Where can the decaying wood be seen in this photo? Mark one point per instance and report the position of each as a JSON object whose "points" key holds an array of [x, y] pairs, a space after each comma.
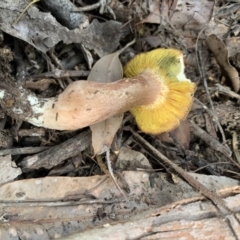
{"points": [[24, 150], [198, 220], [59, 153], [42, 208]]}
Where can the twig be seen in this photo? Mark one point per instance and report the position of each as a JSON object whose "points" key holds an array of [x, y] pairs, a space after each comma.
{"points": [[208, 165], [25, 9], [88, 7], [203, 75], [24, 150], [210, 140], [57, 73], [102, 165], [225, 91], [214, 118], [102, 4], [213, 143], [109, 164], [108, 171]]}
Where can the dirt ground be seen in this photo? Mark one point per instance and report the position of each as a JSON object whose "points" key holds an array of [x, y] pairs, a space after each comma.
{"points": [[113, 181]]}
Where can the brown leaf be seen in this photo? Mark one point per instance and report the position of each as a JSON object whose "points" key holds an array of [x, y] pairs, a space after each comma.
{"points": [[43, 31], [220, 52], [181, 134], [104, 132], [107, 69]]}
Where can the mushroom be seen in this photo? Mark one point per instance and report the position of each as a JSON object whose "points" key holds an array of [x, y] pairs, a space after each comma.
{"points": [[155, 90]]}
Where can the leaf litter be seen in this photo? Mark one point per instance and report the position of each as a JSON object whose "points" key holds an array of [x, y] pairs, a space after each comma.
{"points": [[196, 147]]}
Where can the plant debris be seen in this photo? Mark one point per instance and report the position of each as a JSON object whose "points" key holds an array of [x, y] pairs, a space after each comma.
{"points": [[55, 183]]}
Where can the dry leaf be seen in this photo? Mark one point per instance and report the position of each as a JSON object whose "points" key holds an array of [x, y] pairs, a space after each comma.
{"points": [[104, 132], [220, 52], [41, 29], [8, 169], [217, 28], [192, 14], [181, 134], [222, 21], [154, 16], [129, 159], [107, 69], [233, 45], [227, 10]]}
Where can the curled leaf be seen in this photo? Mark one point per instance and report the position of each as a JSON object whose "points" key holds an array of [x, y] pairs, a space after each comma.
{"points": [[220, 52]]}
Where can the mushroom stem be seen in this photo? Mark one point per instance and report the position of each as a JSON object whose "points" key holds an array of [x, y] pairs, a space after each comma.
{"points": [[82, 103]]}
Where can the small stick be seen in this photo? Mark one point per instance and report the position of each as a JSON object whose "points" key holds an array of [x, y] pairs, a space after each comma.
{"points": [[203, 75], [57, 73], [210, 140], [24, 150], [214, 117], [108, 171], [109, 164], [225, 91], [25, 9]]}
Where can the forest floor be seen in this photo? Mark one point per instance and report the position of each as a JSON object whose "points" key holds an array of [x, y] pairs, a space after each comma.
{"points": [[183, 183]]}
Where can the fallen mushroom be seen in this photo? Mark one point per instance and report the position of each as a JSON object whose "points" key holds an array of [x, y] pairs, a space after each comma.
{"points": [[155, 90]]}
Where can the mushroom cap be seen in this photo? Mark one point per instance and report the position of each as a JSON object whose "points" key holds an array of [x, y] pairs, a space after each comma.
{"points": [[176, 91]]}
